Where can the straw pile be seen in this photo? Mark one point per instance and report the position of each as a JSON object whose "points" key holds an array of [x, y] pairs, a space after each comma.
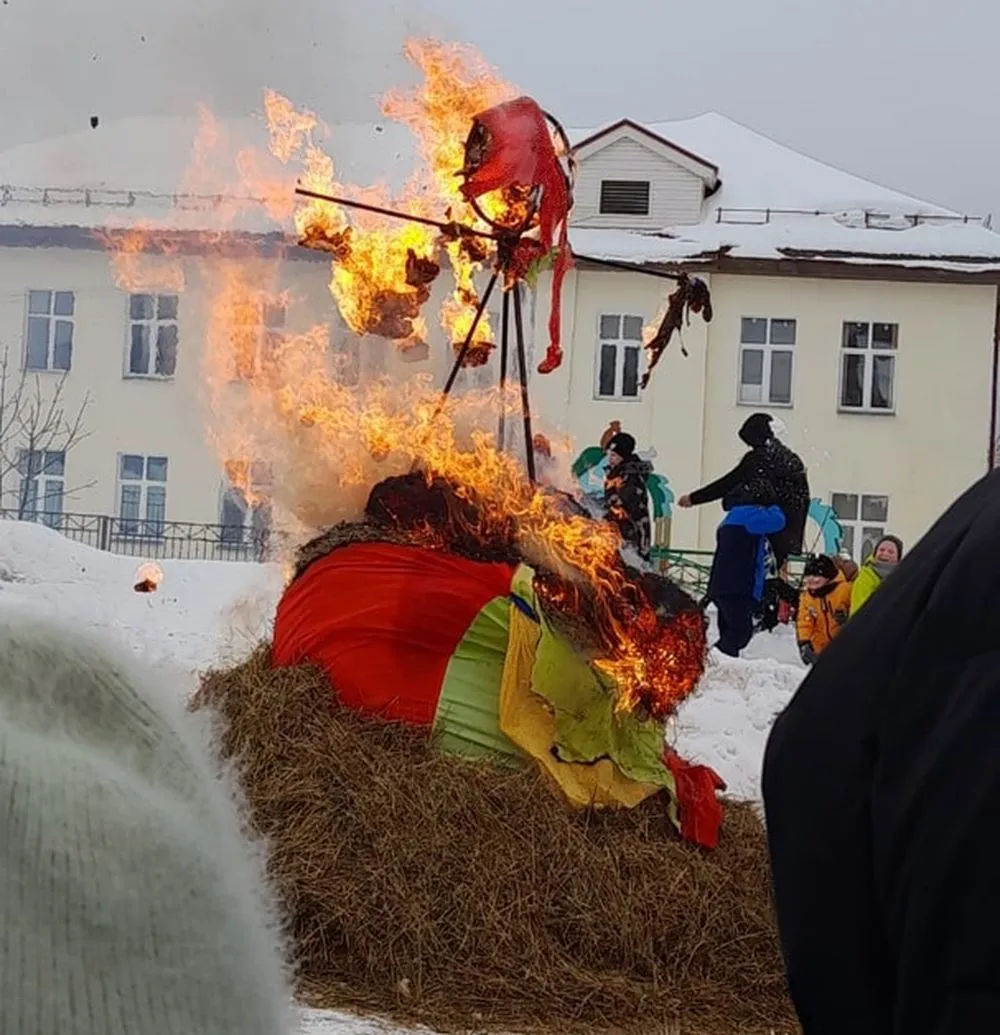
{"points": [[463, 896]]}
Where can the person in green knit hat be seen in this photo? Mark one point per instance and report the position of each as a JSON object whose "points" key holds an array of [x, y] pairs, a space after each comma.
{"points": [[130, 903], [885, 557]]}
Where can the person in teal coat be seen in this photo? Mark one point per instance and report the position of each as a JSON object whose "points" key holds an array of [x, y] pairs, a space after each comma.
{"points": [[887, 554]]}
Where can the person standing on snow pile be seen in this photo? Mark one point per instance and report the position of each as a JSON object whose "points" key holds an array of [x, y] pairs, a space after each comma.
{"points": [[736, 581], [626, 496], [824, 607], [882, 792], [769, 472], [885, 557]]}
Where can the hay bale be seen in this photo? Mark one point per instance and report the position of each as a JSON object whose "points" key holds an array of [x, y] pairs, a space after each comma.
{"points": [[461, 895]]}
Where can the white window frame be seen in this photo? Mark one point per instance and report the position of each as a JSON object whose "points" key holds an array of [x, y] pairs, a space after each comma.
{"points": [[620, 344], [54, 320], [860, 528], [145, 525], [768, 348], [868, 352], [153, 324], [49, 486], [256, 509]]}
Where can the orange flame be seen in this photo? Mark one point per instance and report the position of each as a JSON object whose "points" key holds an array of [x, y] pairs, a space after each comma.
{"points": [[283, 401]]}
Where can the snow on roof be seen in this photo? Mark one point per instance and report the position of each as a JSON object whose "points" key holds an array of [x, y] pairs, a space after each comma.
{"points": [[131, 172], [759, 173], [959, 247], [149, 169]]}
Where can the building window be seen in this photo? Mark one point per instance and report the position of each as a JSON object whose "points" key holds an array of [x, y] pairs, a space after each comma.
{"points": [[261, 334], [347, 360], [49, 344], [246, 503], [153, 335], [624, 197], [868, 367], [618, 350], [142, 495], [43, 485], [766, 353], [864, 520]]}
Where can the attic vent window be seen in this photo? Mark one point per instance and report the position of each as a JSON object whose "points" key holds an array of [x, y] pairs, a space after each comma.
{"points": [[624, 197]]}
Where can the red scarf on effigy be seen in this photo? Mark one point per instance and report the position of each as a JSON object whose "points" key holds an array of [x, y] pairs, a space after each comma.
{"points": [[520, 152]]}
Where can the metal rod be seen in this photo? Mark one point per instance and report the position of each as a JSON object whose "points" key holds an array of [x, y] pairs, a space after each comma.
{"points": [[522, 369], [504, 343], [466, 345], [395, 214], [627, 267]]}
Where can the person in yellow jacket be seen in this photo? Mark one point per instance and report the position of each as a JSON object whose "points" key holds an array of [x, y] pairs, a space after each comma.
{"points": [[824, 607], [887, 554]]}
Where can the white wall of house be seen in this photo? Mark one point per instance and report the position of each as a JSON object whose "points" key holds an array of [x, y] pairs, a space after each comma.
{"points": [[668, 417], [139, 416], [924, 452], [920, 456], [676, 193]]}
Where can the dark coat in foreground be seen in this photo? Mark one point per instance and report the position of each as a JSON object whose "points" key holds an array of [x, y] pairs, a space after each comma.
{"points": [[882, 790]]}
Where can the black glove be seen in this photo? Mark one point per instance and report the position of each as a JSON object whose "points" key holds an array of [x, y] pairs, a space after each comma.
{"points": [[807, 653]]}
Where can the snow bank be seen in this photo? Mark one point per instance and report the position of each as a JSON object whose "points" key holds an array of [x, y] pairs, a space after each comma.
{"points": [[215, 612], [202, 613]]}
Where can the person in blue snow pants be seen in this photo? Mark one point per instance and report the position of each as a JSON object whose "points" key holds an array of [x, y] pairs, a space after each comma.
{"points": [[736, 581]]}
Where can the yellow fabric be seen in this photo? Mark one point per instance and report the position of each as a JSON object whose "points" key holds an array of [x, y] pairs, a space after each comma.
{"points": [[527, 720]]}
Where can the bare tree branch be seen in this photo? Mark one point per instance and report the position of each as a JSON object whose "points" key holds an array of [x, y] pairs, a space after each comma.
{"points": [[33, 422]]}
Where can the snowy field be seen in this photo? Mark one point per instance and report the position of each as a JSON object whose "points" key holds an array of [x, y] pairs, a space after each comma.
{"points": [[206, 613]]}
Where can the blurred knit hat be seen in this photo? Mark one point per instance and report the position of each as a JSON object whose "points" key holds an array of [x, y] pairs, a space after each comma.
{"points": [[130, 903], [822, 567], [623, 444], [756, 429]]}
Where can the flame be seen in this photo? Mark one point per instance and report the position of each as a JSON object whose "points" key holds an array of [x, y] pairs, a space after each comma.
{"points": [[372, 253], [147, 578], [286, 403]]}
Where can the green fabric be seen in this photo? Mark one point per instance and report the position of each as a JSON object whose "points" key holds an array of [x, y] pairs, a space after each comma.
{"points": [[587, 460], [587, 728], [523, 585], [867, 581], [467, 722]]}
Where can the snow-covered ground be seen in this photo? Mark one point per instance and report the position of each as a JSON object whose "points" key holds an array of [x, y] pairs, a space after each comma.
{"points": [[210, 612]]}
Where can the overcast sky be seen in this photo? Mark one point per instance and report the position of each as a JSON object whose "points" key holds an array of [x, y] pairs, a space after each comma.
{"points": [[900, 91]]}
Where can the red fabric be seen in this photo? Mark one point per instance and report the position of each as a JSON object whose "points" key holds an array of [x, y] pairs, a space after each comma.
{"points": [[383, 622], [700, 810], [521, 152], [784, 612]]}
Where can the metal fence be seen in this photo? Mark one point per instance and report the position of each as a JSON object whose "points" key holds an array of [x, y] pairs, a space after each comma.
{"points": [[189, 541], [690, 568], [156, 540]]}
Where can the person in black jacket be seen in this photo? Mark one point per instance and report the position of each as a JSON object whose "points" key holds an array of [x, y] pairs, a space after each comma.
{"points": [[769, 469], [626, 494], [882, 793]]}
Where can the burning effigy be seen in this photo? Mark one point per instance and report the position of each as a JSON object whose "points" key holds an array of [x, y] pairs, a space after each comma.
{"points": [[456, 742], [427, 615]]}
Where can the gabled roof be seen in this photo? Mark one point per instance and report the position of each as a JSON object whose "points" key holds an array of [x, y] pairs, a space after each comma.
{"points": [[708, 171]]}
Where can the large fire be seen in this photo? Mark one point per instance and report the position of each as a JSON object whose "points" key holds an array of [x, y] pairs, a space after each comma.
{"points": [[279, 399]]}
